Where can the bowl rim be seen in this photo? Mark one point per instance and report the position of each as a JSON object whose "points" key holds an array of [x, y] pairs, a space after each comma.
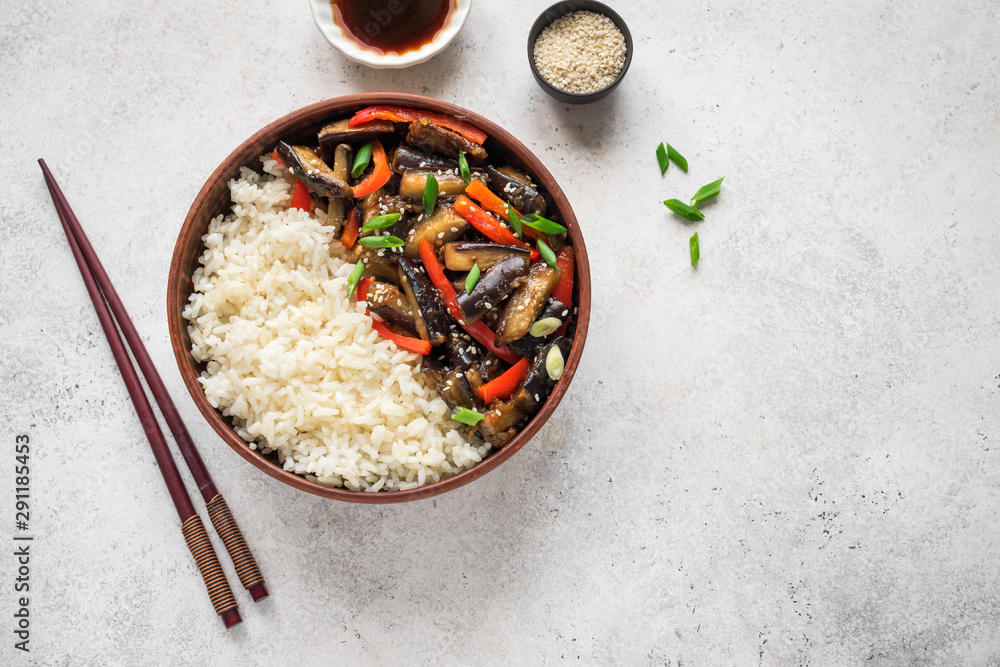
{"points": [[196, 222], [562, 9], [322, 14]]}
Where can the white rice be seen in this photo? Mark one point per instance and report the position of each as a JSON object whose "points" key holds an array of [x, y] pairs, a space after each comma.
{"points": [[296, 364]]}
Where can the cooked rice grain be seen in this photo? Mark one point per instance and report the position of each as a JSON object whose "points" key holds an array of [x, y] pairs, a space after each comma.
{"points": [[296, 364]]}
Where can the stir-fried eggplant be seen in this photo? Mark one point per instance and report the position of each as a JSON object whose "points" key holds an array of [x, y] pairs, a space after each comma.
{"points": [[507, 313], [427, 135], [462, 256], [537, 384], [493, 287], [463, 351], [340, 132], [378, 262], [406, 157], [337, 208], [415, 180], [310, 168], [520, 195], [389, 303], [455, 390], [527, 302], [443, 226], [432, 316]]}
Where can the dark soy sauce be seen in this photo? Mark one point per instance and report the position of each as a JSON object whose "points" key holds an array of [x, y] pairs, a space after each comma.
{"points": [[392, 27]]}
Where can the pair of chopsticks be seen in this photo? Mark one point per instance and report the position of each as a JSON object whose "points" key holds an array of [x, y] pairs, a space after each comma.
{"points": [[103, 294]]}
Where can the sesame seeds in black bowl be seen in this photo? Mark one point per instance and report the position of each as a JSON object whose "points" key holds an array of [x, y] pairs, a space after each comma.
{"points": [[579, 51]]}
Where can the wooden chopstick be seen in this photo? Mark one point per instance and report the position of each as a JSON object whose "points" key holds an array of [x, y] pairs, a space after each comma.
{"points": [[194, 531]]}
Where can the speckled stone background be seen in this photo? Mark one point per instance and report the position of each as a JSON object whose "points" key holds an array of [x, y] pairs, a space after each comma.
{"points": [[787, 456]]}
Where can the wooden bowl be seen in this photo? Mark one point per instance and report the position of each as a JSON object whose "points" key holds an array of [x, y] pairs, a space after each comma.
{"points": [[302, 126]]}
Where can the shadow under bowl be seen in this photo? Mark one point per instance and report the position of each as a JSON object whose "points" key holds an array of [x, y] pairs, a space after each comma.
{"points": [[301, 126]]}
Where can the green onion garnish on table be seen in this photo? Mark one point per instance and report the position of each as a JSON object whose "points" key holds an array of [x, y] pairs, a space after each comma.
{"points": [[362, 159], [472, 278], [430, 194], [382, 242], [677, 158], [687, 212], [381, 222], [467, 416], [661, 157], [695, 249], [543, 225], [707, 192]]}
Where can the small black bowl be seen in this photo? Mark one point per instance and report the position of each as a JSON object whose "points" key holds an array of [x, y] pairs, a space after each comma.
{"points": [[559, 10]]}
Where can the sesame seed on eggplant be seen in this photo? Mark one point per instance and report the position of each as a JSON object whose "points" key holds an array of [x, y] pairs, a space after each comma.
{"points": [[493, 287], [310, 168]]}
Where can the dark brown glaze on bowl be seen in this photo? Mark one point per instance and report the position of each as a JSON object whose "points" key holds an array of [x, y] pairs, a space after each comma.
{"points": [[302, 126]]}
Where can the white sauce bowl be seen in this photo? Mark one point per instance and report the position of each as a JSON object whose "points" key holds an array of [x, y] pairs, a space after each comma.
{"points": [[323, 16]]}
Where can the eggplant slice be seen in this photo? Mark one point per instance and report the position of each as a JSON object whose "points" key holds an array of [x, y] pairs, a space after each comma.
{"points": [[389, 303], [340, 132], [425, 134], [443, 226], [310, 168], [503, 278], [526, 303], [462, 255], [415, 180], [519, 194], [407, 157], [431, 315]]}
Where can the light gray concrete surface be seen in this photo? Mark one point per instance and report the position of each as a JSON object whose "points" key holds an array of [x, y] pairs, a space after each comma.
{"points": [[787, 456]]}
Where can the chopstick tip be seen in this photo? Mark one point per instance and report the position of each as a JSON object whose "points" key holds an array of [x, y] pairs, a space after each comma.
{"points": [[231, 618]]}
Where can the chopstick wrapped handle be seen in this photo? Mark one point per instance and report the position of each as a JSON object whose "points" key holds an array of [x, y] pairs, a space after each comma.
{"points": [[211, 571], [243, 560]]}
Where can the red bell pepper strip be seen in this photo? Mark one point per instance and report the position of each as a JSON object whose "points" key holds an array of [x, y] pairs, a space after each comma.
{"points": [[479, 330], [504, 386], [362, 291], [489, 201], [482, 194], [564, 288], [277, 158], [300, 196], [486, 223], [412, 344], [402, 115], [380, 174], [350, 233]]}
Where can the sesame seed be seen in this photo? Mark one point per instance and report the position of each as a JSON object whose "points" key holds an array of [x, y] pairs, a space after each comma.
{"points": [[582, 52]]}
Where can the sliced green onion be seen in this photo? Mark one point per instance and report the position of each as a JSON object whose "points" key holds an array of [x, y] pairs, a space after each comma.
{"points": [[463, 168], [707, 192], [544, 327], [677, 158], [546, 252], [543, 225], [467, 416], [695, 249], [361, 161], [472, 278], [381, 222], [430, 194], [661, 157], [683, 210], [554, 362], [514, 219], [355, 278], [382, 242]]}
